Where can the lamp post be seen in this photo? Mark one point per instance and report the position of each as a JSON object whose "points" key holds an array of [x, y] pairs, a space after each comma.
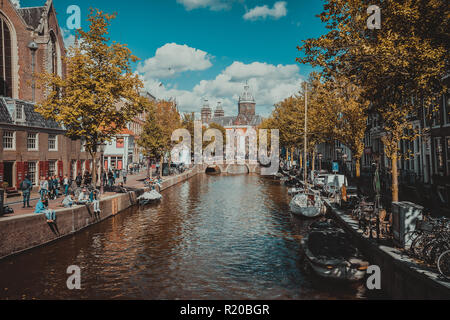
{"points": [[320, 155], [33, 48], [345, 157], [102, 154]]}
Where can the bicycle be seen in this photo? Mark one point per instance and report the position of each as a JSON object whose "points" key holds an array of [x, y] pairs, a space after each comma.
{"points": [[443, 265]]}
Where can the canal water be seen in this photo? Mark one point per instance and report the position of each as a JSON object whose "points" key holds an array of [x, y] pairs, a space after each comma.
{"points": [[212, 237]]}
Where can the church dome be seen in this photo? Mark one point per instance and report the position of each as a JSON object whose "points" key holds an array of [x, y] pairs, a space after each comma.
{"points": [[246, 96]]}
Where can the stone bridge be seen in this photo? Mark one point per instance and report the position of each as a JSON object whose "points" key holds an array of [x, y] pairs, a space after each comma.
{"points": [[246, 167]]}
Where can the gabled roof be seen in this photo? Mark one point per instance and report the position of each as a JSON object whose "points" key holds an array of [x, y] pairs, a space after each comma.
{"points": [[32, 118], [32, 15]]}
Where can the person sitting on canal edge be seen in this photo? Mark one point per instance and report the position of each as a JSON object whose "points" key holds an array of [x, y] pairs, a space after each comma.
{"points": [[68, 201], [42, 208], [83, 197], [26, 186], [95, 199]]}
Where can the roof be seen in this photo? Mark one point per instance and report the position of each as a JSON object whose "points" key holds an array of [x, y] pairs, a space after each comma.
{"points": [[32, 118], [252, 121], [32, 15]]}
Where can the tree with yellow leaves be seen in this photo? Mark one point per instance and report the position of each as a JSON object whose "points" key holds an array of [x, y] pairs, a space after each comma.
{"points": [[405, 59], [162, 120], [99, 79]]}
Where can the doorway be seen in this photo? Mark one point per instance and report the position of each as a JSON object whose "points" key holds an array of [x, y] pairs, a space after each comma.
{"points": [[8, 175]]}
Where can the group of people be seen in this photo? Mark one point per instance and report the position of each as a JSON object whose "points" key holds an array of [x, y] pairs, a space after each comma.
{"points": [[109, 177], [50, 189], [83, 180], [153, 183]]}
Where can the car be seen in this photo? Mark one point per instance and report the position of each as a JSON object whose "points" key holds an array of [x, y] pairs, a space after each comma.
{"points": [[319, 181], [333, 183]]}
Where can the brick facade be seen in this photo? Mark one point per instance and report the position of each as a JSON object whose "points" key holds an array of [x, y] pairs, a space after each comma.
{"points": [[23, 26]]}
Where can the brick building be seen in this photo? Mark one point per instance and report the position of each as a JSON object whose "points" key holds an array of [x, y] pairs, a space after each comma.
{"points": [[31, 40]]}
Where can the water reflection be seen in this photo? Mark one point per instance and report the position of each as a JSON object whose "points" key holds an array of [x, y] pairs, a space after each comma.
{"points": [[213, 237]]}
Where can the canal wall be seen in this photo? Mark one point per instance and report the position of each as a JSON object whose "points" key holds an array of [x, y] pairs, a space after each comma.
{"points": [[401, 277], [24, 232]]}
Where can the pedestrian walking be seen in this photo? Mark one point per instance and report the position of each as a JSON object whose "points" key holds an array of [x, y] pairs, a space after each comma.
{"points": [[124, 175], [79, 180], [66, 185], [56, 186], [43, 187], [26, 186]]}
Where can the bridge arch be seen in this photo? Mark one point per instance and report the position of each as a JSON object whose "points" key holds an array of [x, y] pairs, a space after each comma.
{"points": [[238, 169], [213, 170]]}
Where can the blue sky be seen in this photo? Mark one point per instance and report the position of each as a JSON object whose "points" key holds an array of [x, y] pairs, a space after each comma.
{"points": [[196, 49]]}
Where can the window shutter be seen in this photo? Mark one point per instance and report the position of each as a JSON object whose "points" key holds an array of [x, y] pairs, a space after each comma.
{"points": [[2, 170], [60, 169], [19, 173]]}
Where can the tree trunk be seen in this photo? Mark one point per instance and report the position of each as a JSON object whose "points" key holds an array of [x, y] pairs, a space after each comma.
{"points": [[394, 178], [94, 169], [314, 161], [358, 168]]}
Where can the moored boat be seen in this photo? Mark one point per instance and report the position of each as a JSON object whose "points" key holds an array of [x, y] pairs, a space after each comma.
{"points": [[331, 255], [308, 205], [149, 197]]}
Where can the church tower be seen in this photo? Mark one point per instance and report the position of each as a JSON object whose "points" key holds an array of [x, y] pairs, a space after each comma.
{"points": [[206, 112], [247, 104], [219, 113]]}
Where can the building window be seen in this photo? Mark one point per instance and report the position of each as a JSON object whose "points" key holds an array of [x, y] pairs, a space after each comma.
{"points": [[9, 141], [448, 155], [32, 172], [52, 142], [120, 143], [52, 168], [5, 60], [439, 156], [32, 142], [19, 113], [447, 106]]}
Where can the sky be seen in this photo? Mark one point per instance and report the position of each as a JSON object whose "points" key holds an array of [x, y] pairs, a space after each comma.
{"points": [[193, 50]]}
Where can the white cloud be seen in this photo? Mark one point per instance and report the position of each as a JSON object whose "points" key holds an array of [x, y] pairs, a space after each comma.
{"points": [[269, 84], [262, 12], [68, 37], [172, 59], [215, 5]]}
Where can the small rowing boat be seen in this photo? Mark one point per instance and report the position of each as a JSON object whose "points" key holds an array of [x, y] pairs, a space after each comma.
{"points": [[331, 254], [149, 197]]}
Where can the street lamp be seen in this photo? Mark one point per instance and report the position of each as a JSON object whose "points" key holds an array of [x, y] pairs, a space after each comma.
{"points": [[320, 161], [102, 147], [33, 48]]}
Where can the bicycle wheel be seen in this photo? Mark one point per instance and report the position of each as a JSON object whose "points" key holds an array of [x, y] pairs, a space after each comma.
{"points": [[443, 264], [418, 245]]}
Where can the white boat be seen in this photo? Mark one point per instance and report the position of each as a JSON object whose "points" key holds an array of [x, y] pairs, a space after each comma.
{"points": [[308, 205], [149, 197], [331, 255]]}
